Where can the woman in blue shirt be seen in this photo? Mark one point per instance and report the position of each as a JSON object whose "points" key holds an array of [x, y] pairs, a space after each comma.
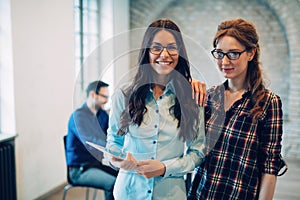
{"points": [[156, 121]]}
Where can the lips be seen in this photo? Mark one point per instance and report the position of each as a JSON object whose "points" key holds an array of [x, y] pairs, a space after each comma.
{"points": [[164, 62], [227, 69]]}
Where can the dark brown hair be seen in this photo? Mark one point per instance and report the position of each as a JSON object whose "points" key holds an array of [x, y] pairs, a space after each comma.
{"points": [[184, 109], [245, 32]]}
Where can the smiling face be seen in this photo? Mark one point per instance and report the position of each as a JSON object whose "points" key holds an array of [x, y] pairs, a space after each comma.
{"points": [[163, 63], [233, 69], [101, 98]]}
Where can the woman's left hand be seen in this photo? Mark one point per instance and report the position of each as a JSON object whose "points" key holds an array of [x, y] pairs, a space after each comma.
{"points": [[150, 168], [128, 164], [199, 92]]}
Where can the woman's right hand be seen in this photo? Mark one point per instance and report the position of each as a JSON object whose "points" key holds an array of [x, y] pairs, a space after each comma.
{"points": [[128, 163], [199, 92]]}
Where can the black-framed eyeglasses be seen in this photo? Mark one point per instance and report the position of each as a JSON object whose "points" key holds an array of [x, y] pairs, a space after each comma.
{"points": [[156, 49], [102, 95], [231, 55]]}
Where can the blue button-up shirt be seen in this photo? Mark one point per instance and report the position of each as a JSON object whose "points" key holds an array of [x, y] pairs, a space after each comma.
{"points": [[156, 138]]}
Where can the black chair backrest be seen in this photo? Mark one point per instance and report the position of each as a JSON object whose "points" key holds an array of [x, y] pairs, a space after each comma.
{"points": [[65, 147]]}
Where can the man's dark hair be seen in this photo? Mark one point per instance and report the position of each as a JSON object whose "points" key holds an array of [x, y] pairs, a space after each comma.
{"points": [[95, 86]]}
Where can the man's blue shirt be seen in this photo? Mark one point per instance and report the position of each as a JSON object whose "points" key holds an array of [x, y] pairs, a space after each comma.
{"points": [[85, 126]]}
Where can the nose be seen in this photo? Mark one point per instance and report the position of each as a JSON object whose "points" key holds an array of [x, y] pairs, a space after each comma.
{"points": [[225, 60], [164, 52]]}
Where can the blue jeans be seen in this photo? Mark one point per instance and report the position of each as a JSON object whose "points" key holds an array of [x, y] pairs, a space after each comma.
{"points": [[101, 177]]}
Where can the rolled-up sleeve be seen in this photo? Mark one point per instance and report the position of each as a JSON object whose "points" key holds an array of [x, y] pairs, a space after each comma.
{"points": [[272, 137]]}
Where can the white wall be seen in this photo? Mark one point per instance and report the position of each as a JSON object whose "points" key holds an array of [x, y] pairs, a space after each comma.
{"points": [[7, 111], [42, 36]]}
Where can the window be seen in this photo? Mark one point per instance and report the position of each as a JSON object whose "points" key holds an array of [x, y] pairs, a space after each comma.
{"points": [[94, 43], [87, 33]]}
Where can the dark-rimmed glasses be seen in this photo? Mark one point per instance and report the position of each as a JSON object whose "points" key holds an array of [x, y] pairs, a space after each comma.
{"points": [[156, 49], [231, 55], [102, 95]]}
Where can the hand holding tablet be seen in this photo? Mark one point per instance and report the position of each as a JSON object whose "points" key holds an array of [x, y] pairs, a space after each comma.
{"points": [[117, 153]]}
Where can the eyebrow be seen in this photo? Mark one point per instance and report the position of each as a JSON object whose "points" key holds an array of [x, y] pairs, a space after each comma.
{"points": [[172, 43], [229, 50]]}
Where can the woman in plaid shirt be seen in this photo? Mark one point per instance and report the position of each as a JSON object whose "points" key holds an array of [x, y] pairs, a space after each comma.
{"points": [[243, 123]]}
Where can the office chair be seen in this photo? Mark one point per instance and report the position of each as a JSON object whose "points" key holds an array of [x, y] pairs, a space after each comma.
{"points": [[71, 185]]}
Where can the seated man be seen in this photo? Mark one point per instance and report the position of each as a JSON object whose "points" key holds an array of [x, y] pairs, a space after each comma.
{"points": [[90, 123]]}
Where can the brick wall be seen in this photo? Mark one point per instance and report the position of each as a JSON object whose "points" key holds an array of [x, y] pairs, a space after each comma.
{"points": [[277, 22]]}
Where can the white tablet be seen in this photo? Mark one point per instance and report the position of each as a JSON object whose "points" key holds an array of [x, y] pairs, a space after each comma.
{"points": [[104, 150]]}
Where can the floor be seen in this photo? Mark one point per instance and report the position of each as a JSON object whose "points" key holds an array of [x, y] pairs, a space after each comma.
{"points": [[287, 187], [76, 193]]}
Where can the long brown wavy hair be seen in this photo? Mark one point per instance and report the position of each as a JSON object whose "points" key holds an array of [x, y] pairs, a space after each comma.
{"points": [[185, 109], [245, 32]]}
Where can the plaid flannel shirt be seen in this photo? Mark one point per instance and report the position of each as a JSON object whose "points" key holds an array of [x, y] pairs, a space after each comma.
{"points": [[240, 149]]}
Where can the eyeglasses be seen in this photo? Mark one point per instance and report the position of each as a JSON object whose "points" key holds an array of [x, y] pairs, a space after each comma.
{"points": [[231, 55], [102, 95], [156, 49]]}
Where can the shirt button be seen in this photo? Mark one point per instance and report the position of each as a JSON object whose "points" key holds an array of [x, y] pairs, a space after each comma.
{"points": [[170, 174], [154, 142], [155, 126], [160, 97], [157, 111], [152, 158], [149, 191]]}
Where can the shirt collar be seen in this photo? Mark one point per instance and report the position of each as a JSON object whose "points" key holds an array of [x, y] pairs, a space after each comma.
{"points": [[85, 107], [169, 88]]}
